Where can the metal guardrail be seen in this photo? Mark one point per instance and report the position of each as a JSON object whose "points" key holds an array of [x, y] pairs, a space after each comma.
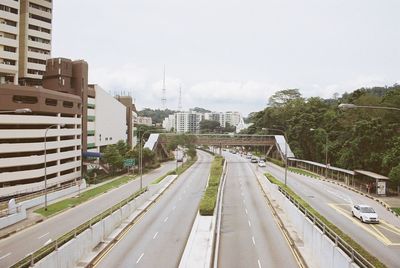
{"points": [[355, 256], [39, 254]]}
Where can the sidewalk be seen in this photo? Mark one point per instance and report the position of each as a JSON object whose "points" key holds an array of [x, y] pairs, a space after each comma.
{"points": [[33, 218]]}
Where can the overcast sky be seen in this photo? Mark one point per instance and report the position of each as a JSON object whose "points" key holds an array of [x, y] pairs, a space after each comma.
{"points": [[230, 54]]}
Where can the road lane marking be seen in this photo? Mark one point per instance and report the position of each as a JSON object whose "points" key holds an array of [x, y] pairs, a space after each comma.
{"points": [[259, 263], [245, 210], [48, 242], [40, 237], [165, 220], [155, 235], [5, 256], [249, 223], [376, 233], [138, 260], [254, 242]]}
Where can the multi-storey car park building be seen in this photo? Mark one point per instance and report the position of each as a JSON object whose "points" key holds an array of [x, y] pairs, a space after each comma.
{"points": [[56, 111], [25, 40]]}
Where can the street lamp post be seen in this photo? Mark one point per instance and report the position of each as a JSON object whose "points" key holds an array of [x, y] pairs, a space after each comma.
{"points": [[17, 111], [45, 162], [326, 150], [141, 158], [286, 158]]}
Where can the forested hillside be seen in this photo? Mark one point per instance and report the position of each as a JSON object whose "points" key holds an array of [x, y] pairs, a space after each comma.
{"points": [[357, 138]]}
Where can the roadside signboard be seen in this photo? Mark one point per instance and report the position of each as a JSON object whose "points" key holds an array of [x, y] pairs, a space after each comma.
{"points": [[129, 162]]}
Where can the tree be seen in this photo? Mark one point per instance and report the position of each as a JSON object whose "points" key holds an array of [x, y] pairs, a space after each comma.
{"points": [[283, 97], [209, 126], [148, 156], [394, 175], [192, 152], [113, 157]]}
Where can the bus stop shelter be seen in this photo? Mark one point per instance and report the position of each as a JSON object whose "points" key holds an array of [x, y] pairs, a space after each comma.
{"points": [[375, 181]]}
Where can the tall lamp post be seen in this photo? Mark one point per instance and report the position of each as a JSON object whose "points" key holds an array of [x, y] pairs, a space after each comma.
{"points": [[17, 111], [346, 106], [326, 150], [286, 158], [45, 162], [141, 158]]}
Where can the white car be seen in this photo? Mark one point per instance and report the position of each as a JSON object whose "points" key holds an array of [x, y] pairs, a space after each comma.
{"points": [[261, 163], [365, 213]]}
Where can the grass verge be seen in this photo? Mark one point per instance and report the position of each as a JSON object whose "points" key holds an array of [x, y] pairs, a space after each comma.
{"points": [[303, 172], [209, 199], [276, 161], [179, 171], [357, 247], [397, 210], [83, 197]]}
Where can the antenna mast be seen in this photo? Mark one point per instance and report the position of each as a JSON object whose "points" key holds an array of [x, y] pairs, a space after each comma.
{"points": [[164, 94], [180, 99]]}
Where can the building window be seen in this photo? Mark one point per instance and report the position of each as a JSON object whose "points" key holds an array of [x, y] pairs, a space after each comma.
{"points": [[25, 99], [68, 104], [10, 49], [51, 102], [9, 9]]}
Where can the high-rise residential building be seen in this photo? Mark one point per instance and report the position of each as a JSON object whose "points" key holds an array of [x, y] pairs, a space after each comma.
{"points": [[216, 116], [25, 40], [9, 41], [232, 118], [35, 39], [187, 122]]}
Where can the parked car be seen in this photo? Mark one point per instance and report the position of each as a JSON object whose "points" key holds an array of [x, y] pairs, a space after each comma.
{"points": [[365, 213], [261, 163]]}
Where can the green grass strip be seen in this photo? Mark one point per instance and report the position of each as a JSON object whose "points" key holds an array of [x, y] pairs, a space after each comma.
{"points": [[303, 172], [357, 247], [209, 199], [276, 161], [397, 210], [178, 171], [83, 197]]}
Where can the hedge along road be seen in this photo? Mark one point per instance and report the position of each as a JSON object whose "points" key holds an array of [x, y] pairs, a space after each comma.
{"points": [[159, 238], [16, 247], [250, 237]]}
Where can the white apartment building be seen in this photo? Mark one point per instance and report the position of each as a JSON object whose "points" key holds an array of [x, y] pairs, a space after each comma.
{"points": [[144, 120], [9, 41], [25, 40], [187, 122], [52, 132], [169, 123], [216, 116], [232, 118], [106, 120]]}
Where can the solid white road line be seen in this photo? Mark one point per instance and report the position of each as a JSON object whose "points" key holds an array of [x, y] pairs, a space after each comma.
{"points": [[165, 220], [155, 235], [138, 260], [48, 242], [40, 237], [254, 242], [259, 264], [5, 256]]}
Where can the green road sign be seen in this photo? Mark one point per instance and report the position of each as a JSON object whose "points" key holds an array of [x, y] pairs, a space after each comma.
{"points": [[129, 162]]}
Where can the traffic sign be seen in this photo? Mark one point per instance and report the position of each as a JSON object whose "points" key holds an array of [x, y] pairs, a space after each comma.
{"points": [[129, 162]]}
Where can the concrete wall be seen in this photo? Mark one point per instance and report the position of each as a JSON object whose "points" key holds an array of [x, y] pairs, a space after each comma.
{"points": [[322, 251], [21, 214]]}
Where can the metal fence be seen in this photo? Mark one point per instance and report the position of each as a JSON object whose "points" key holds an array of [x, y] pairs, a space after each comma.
{"points": [[355, 256], [39, 254]]}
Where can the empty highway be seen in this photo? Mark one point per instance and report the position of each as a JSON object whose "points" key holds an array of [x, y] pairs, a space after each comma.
{"points": [[334, 202], [250, 236], [159, 238], [17, 246]]}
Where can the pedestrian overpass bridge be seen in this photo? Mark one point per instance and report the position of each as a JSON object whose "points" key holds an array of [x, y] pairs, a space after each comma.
{"points": [[275, 145]]}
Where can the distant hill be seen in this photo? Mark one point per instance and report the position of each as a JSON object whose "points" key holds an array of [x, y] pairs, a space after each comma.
{"points": [[156, 115]]}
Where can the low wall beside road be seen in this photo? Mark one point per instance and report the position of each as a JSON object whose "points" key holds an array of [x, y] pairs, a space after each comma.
{"points": [[319, 249]]}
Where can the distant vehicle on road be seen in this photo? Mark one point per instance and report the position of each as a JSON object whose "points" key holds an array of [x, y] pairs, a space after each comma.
{"points": [[261, 163], [249, 155], [254, 159], [365, 213]]}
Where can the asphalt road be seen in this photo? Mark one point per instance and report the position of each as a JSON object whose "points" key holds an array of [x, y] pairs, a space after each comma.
{"points": [[159, 238], [250, 236], [334, 202], [16, 247]]}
